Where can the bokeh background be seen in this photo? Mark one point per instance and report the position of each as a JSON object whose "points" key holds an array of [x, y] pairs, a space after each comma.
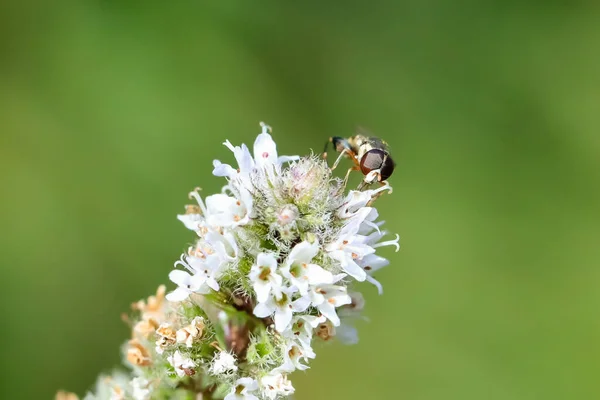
{"points": [[111, 111]]}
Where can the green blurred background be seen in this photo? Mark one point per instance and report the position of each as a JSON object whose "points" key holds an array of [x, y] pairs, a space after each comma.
{"points": [[111, 111]]}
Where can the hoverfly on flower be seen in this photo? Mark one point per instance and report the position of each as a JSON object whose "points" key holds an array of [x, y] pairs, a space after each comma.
{"points": [[369, 154]]}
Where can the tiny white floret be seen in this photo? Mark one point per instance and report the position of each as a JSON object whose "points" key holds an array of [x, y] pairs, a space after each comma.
{"points": [[223, 363]]}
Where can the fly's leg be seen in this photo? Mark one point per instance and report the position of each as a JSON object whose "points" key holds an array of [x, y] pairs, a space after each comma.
{"points": [[327, 147], [348, 174], [340, 144], [342, 154]]}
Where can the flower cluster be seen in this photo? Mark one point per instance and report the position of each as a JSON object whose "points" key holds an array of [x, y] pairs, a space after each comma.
{"points": [[275, 253]]}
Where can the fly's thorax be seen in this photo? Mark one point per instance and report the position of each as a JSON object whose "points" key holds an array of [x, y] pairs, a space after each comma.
{"points": [[360, 144]]}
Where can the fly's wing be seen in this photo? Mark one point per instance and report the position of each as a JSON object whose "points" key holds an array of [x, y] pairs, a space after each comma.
{"points": [[373, 141], [377, 143]]}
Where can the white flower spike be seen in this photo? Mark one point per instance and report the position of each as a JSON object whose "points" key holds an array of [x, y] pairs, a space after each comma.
{"points": [[269, 272]]}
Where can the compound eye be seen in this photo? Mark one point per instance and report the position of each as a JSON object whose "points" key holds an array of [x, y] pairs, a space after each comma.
{"points": [[387, 168], [371, 160]]}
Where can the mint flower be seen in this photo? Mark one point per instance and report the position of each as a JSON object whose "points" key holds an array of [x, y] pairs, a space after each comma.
{"points": [[223, 363], [182, 364], [299, 269], [326, 298], [140, 389], [276, 385], [269, 272], [242, 390], [264, 277]]}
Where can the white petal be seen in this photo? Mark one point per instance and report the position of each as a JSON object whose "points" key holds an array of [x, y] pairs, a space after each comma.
{"points": [[266, 260], [197, 280], [212, 283], [178, 294], [232, 248], [301, 304], [373, 262], [304, 252], [283, 159], [191, 221], [328, 310], [203, 289], [234, 396], [265, 150], [285, 269], [353, 269], [247, 200], [300, 283], [276, 279], [359, 250], [213, 263], [317, 275], [312, 320], [287, 366], [219, 203], [219, 248], [242, 156], [181, 278], [249, 383], [283, 317], [262, 289], [263, 310], [355, 200], [221, 169], [341, 298], [244, 159], [316, 297], [353, 224]]}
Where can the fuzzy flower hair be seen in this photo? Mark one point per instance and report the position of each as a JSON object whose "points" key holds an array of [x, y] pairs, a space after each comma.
{"points": [[269, 272]]}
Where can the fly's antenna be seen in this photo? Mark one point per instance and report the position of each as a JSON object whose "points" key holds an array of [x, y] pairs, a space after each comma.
{"points": [[330, 140]]}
